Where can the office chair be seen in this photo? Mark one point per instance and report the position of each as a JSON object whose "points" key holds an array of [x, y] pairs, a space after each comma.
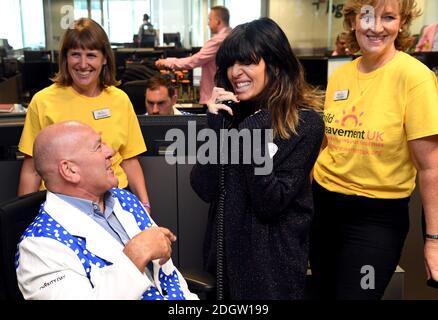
{"points": [[16, 215], [148, 41], [136, 92]]}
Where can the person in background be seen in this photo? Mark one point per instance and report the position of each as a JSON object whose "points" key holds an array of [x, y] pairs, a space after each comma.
{"points": [[341, 45], [147, 35], [161, 97], [91, 240], [266, 214], [428, 39], [381, 134], [84, 90], [218, 22]]}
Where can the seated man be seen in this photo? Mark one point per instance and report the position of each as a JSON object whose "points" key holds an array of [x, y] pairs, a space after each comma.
{"points": [[91, 240], [161, 97]]}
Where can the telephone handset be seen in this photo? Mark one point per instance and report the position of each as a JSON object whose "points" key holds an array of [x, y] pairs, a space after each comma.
{"points": [[230, 118], [234, 119], [432, 283]]}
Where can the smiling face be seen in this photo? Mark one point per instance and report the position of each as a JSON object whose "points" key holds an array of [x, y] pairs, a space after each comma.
{"points": [[377, 39], [85, 66], [93, 160], [248, 81]]}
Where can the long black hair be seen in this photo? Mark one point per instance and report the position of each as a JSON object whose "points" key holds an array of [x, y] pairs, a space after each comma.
{"points": [[286, 90]]}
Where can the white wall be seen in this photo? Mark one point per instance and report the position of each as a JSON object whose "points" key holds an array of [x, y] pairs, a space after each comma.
{"points": [[307, 27], [305, 24], [430, 14]]}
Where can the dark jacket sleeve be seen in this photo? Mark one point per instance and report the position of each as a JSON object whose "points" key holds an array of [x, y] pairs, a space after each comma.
{"points": [[272, 193]]}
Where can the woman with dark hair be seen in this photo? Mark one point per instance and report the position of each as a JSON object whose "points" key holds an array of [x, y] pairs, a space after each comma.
{"points": [[381, 114], [84, 90], [266, 214]]}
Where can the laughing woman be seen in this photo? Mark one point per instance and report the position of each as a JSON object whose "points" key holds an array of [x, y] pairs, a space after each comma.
{"points": [[84, 91], [266, 214], [381, 114]]}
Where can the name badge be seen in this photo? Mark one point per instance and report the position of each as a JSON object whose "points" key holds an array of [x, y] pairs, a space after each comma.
{"points": [[101, 114], [272, 148], [341, 95]]}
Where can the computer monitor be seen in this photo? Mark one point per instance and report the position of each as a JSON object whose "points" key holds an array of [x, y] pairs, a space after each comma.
{"points": [[154, 129], [37, 55], [11, 128], [148, 41], [174, 38]]}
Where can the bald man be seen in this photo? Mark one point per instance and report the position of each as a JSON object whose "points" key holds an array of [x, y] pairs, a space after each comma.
{"points": [[91, 240]]}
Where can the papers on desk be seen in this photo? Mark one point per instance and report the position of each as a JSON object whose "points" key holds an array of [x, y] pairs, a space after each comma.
{"points": [[7, 107], [11, 107]]}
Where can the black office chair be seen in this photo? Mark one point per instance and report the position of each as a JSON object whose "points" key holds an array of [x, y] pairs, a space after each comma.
{"points": [[136, 92], [148, 41], [16, 215], [140, 70]]}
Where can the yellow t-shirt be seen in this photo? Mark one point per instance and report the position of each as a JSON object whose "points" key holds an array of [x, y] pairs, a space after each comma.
{"points": [[369, 120], [116, 121]]}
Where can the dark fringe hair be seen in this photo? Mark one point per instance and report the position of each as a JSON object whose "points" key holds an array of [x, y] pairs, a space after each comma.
{"points": [[286, 91]]}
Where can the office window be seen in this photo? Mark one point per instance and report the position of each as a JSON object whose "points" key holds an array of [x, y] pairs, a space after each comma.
{"points": [[32, 20], [122, 18], [81, 9], [174, 16], [9, 15], [29, 31], [242, 11]]}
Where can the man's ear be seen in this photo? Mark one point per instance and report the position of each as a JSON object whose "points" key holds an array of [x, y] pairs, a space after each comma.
{"points": [[174, 99], [69, 171]]}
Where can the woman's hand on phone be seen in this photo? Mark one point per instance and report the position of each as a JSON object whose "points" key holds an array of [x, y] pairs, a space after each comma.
{"points": [[218, 98]]}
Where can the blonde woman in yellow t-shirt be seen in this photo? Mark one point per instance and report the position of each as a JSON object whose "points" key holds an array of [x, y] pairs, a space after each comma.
{"points": [[84, 90], [381, 114]]}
